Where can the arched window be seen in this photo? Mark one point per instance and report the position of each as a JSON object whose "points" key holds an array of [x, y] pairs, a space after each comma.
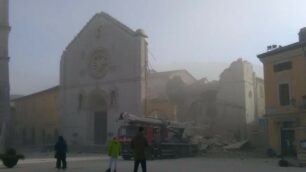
{"points": [[80, 101], [43, 136], [24, 136], [33, 136]]}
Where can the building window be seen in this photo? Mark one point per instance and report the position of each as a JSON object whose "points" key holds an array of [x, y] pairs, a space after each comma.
{"points": [[24, 136], [250, 94], [262, 94], [284, 94], [282, 66], [43, 136], [80, 103], [304, 101], [33, 137]]}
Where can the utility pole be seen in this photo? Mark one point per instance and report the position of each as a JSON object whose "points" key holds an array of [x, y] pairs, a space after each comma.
{"points": [[4, 73]]}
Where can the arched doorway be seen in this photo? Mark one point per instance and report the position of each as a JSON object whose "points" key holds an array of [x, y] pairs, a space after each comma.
{"points": [[98, 106]]}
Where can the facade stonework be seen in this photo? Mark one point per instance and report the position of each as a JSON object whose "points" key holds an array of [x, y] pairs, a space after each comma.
{"points": [[230, 107], [157, 82], [238, 97], [103, 73]]}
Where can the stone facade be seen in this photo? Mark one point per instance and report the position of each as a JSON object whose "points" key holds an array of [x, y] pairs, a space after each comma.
{"points": [[169, 87], [4, 70], [239, 97], [157, 82], [259, 98], [230, 107], [201, 106], [103, 73], [237, 88]]}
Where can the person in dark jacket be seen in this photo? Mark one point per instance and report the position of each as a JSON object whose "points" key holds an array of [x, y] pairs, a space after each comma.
{"points": [[60, 153], [139, 144]]}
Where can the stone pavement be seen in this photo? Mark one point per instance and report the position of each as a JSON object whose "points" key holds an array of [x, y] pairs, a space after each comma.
{"points": [[99, 164], [69, 159]]}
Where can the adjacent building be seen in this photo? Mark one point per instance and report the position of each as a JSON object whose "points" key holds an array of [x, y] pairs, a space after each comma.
{"points": [[35, 118], [158, 82], [240, 99], [165, 94], [285, 92], [231, 107]]}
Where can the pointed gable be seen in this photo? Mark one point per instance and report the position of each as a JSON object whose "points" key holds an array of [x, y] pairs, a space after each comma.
{"points": [[111, 20]]}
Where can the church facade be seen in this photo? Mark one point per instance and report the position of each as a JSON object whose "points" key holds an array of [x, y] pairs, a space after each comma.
{"points": [[103, 73]]}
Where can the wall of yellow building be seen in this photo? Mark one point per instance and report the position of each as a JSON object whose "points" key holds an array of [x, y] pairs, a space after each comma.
{"points": [[40, 112], [295, 76], [274, 136], [300, 134], [297, 80], [301, 130]]}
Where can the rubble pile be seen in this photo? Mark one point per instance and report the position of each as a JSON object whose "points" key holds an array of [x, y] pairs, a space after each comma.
{"points": [[213, 142], [217, 146]]}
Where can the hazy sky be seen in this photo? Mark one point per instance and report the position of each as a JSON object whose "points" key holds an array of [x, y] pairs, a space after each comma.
{"points": [[200, 35]]}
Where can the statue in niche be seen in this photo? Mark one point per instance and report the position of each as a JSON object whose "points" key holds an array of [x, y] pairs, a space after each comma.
{"points": [[113, 99], [80, 103]]}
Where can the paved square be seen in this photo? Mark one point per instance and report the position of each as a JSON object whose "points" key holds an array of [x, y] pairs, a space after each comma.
{"points": [[99, 164]]}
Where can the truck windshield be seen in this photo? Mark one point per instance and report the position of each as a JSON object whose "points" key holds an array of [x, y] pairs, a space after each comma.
{"points": [[128, 131]]}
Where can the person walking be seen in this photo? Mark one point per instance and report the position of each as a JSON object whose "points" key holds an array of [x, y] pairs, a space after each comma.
{"points": [[114, 150], [60, 153], [139, 144]]}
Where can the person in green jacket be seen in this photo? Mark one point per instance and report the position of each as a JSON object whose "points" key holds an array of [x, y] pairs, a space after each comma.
{"points": [[114, 150]]}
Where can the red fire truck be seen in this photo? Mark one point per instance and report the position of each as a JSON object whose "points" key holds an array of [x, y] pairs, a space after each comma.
{"points": [[165, 138]]}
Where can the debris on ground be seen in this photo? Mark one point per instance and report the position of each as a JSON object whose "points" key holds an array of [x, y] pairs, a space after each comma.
{"points": [[218, 146], [237, 145]]}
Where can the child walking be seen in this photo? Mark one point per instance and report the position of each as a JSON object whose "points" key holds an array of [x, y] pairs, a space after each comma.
{"points": [[114, 150]]}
